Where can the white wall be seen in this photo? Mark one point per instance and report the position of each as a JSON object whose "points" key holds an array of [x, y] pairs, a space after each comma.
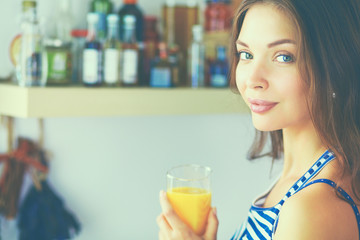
{"points": [[109, 170]]}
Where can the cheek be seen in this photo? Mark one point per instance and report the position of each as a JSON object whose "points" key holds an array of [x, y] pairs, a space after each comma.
{"points": [[240, 80]]}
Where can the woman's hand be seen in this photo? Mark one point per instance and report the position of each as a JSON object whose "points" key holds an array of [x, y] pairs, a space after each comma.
{"points": [[172, 228]]}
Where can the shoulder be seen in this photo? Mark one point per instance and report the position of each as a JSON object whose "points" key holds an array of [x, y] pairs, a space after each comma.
{"points": [[316, 212]]}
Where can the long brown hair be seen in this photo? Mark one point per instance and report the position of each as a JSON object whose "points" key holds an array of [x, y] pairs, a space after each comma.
{"points": [[329, 61]]}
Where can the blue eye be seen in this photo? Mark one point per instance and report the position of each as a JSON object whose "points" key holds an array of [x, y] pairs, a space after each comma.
{"points": [[245, 56], [284, 58]]}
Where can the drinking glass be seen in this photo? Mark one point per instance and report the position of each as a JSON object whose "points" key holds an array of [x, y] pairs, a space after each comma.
{"points": [[188, 190]]}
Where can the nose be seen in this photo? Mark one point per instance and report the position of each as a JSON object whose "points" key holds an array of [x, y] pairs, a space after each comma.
{"points": [[257, 76]]}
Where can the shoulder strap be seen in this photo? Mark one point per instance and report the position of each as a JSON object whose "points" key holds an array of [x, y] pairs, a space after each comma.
{"points": [[310, 174]]}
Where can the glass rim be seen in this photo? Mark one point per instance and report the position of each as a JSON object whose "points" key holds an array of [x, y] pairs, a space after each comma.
{"points": [[170, 175]]}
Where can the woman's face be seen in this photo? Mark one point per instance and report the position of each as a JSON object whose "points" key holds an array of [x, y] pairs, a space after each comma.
{"points": [[266, 74]]}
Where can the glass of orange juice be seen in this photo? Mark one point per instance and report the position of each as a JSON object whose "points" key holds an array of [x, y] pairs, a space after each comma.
{"points": [[188, 190]]}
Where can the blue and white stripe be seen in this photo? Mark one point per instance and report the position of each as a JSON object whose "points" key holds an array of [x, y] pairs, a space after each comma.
{"points": [[261, 222]]}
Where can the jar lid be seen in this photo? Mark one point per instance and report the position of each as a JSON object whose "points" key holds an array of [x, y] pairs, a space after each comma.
{"points": [[79, 33], [54, 42], [130, 1]]}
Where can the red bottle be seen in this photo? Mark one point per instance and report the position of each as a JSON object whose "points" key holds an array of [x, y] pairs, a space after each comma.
{"points": [[217, 16]]}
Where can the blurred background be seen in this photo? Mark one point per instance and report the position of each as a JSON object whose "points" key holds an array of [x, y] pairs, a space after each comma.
{"points": [[109, 170]]}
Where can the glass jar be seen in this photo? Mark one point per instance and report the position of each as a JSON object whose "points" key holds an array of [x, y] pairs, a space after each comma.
{"points": [[59, 62]]}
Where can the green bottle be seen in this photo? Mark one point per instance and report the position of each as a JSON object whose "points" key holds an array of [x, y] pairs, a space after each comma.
{"points": [[103, 8]]}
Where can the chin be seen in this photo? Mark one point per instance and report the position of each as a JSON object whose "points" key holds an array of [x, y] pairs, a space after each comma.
{"points": [[265, 126]]}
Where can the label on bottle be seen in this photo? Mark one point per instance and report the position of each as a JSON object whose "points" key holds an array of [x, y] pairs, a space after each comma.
{"points": [[129, 69], [218, 80], [160, 77], [90, 66], [57, 69], [111, 66]]}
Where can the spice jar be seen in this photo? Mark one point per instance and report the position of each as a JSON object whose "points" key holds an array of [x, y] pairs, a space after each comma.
{"points": [[59, 62]]}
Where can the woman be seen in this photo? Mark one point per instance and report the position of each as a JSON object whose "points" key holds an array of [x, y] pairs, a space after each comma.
{"points": [[297, 66]]}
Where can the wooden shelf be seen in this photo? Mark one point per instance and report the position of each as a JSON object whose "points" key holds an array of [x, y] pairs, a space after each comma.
{"points": [[44, 102]]}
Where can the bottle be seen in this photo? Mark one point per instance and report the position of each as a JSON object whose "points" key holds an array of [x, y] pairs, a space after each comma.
{"points": [[32, 67], [130, 56], [103, 8], [219, 69], [175, 54], [130, 7], [64, 21], [92, 67], [170, 23], [77, 48], [151, 42], [59, 62], [197, 58], [112, 52], [217, 16], [175, 58], [161, 69], [58, 47]]}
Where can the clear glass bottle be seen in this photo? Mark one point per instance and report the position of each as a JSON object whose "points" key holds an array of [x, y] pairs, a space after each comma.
{"points": [[161, 69], [112, 52], [32, 67], [130, 53], [197, 58], [78, 44], [219, 69], [64, 21], [131, 7], [92, 64], [102, 8]]}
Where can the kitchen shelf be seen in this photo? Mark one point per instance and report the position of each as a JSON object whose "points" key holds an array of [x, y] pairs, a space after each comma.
{"points": [[44, 102]]}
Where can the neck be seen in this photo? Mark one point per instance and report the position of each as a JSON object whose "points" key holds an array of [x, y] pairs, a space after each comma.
{"points": [[302, 147]]}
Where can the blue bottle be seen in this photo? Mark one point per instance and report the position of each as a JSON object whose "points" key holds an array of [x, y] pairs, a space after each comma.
{"points": [[219, 69], [92, 54], [161, 73]]}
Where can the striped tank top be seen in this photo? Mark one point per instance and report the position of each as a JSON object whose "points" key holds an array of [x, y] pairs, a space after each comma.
{"points": [[262, 222]]}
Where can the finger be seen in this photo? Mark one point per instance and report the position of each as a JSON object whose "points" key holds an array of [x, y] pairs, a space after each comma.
{"points": [[170, 214], [163, 224], [165, 229], [212, 225]]}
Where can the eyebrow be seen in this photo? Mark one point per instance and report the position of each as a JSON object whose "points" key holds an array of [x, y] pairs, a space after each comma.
{"points": [[270, 45]]}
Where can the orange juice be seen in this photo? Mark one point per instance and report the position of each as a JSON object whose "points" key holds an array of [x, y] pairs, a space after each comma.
{"points": [[192, 205]]}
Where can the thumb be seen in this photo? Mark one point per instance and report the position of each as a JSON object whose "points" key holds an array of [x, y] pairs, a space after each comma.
{"points": [[212, 225]]}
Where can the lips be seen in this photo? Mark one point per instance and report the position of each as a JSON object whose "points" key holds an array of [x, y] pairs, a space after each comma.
{"points": [[261, 106]]}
